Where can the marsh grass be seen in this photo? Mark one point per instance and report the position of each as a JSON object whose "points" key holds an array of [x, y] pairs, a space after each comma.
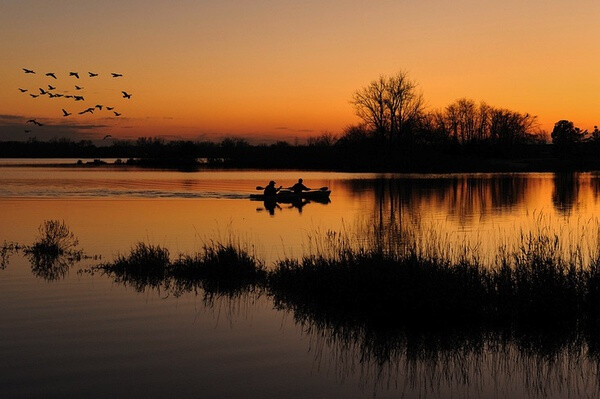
{"points": [[6, 251], [52, 253], [535, 284], [218, 269], [54, 239]]}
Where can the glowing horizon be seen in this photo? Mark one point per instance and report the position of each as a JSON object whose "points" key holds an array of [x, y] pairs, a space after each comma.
{"points": [[284, 70]]}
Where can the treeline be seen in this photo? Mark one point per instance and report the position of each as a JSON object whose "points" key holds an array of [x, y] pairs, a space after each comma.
{"points": [[393, 113], [396, 133], [357, 150]]}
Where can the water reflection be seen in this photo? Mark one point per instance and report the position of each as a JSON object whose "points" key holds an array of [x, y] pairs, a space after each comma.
{"points": [[465, 198], [51, 267], [445, 362], [420, 361], [6, 251], [297, 204], [566, 192]]}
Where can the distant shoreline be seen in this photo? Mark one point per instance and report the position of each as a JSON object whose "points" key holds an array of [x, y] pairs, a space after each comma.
{"points": [[449, 165], [368, 156]]}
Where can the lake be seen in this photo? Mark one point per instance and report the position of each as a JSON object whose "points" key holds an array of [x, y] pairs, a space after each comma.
{"points": [[75, 333]]}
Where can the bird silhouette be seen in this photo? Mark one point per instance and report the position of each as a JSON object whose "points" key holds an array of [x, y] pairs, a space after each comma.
{"points": [[116, 113], [110, 108], [65, 113], [74, 74], [28, 70], [107, 136], [68, 96], [92, 74], [126, 95], [22, 90], [42, 91], [27, 131], [90, 110], [58, 95], [34, 122], [78, 87], [34, 95], [99, 106], [51, 74], [116, 75], [51, 87], [78, 98], [52, 95]]}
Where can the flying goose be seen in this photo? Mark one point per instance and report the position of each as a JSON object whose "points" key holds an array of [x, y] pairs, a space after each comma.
{"points": [[34, 122], [90, 110]]}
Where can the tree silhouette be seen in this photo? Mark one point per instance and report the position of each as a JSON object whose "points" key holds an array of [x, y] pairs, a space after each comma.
{"points": [[390, 106], [565, 135]]}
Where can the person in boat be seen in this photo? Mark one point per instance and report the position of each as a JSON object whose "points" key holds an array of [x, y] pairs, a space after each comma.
{"points": [[270, 190], [299, 187]]}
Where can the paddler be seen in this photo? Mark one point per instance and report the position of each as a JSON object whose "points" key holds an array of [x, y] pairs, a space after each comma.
{"points": [[270, 190], [299, 187]]}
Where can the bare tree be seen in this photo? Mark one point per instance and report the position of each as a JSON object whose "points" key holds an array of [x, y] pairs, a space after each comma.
{"points": [[370, 105], [388, 105], [464, 121]]}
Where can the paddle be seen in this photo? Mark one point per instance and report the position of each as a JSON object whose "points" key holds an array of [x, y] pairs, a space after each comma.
{"points": [[321, 189]]}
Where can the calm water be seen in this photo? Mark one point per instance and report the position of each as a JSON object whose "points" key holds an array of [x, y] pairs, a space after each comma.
{"points": [[84, 334]]}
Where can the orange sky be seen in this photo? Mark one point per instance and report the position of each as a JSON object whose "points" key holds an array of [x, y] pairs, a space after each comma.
{"points": [[287, 69]]}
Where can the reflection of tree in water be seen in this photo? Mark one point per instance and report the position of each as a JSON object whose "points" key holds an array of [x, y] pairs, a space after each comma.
{"points": [[566, 192], [595, 185], [461, 197]]}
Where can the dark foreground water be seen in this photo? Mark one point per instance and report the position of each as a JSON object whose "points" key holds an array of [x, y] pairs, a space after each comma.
{"points": [[65, 333]]}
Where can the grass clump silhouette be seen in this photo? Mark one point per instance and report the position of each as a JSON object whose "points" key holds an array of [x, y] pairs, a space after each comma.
{"points": [[533, 285], [54, 251], [146, 265], [220, 268], [54, 239], [226, 269]]}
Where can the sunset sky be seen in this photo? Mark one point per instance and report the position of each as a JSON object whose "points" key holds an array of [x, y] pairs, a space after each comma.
{"points": [[269, 70]]}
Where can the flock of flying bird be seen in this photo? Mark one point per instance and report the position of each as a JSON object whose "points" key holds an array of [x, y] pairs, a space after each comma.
{"points": [[51, 93]]}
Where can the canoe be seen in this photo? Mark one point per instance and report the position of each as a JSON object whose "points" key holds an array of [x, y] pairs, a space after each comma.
{"points": [[288, 196]]}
